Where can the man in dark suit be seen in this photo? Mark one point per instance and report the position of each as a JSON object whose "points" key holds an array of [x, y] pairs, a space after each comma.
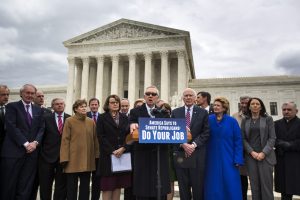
{"points": [[197, 121], [93, 114], [203, 101], [145, 155], [4, 95], [49, 166], [287, 152], [125, 105], [25, 127], [38, 100]]}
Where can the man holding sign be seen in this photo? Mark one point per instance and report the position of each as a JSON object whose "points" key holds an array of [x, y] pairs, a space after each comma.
{"points": [[191, 174], [145, 155]]}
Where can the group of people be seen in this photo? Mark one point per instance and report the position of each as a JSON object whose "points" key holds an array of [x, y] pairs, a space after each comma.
{"points": [[40, 146]]}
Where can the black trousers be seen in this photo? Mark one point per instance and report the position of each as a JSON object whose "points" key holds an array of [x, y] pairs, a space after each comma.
{"points": [[17, 177], [244, 183], [48, 172], [72, 185], [95, 185], [286, 196], [151, 198]]}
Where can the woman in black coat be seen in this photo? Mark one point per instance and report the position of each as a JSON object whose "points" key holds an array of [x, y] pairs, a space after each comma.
{"points": [[112, 128]]}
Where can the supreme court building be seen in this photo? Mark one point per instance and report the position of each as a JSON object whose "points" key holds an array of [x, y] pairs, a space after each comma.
{"points": [[126, 56]]}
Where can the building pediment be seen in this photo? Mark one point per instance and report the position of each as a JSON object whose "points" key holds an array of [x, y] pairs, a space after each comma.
{"points": [[124, 29]]}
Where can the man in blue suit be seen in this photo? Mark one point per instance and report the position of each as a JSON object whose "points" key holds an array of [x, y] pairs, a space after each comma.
{"points": [[191, 177], [25, 127], [93, 114]]}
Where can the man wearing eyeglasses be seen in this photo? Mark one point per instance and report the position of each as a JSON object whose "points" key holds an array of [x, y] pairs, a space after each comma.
{"points": [[145, 155]]}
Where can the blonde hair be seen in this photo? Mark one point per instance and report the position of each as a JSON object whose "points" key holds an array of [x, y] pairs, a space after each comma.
{"points": [[224, 102]]}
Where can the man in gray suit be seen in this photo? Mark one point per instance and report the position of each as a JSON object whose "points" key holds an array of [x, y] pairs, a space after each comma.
{"points": [[197, 121]]}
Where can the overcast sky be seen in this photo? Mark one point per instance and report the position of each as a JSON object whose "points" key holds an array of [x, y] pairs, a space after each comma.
{"points": [[230, 38]]}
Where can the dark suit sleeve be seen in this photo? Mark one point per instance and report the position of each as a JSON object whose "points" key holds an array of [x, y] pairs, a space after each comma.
{"points": [[202, 138], [134, 118], [41, 128], [11, 125], [271, 136]]}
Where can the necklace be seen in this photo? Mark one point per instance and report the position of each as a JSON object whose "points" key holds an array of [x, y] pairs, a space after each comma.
{"points": [[254, 119]]}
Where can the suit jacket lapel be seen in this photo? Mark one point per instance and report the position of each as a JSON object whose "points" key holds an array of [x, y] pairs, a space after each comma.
{"points": [[247, 127], [109, 118], [22, 109], [54, 124], [194, 116]]}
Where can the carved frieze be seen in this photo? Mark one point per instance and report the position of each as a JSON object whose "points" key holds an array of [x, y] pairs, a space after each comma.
{"points": [[123, 31]]}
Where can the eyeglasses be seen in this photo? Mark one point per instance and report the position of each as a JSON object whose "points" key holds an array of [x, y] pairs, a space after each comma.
{"points": [[114, 102], [151, 93]]}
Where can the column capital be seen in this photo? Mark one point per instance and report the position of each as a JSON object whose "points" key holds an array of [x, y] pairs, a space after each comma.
{"points": [[181, 53], [163, 52], [85, 59], [147, 55], [115, 57], [132, 55], [71, 60], [99, 58]]}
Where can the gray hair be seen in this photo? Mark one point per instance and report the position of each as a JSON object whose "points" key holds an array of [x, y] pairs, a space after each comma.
{"points": [[244, 97], [55, 99], [152, 86], [27, 85], [291, 103], [125, 99]]}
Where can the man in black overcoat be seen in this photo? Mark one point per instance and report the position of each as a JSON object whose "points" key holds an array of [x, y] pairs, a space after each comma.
{"points": [[287, 169], [145, 155]]}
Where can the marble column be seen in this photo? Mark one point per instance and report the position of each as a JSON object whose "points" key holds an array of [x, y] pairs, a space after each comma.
{"points": [[132, 78], [164, 82], [99, 79], [115, 75], [85, 77], [182, 72], [70, 89], [78, 81], [121, 79], [148, 70]]}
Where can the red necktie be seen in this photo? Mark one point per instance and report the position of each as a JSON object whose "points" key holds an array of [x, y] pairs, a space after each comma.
{"points": [[60, 124], [188, 118], [94, 118]]}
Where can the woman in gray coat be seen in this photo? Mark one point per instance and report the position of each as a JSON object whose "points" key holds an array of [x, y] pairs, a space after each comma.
{"points": [[259, 140]]}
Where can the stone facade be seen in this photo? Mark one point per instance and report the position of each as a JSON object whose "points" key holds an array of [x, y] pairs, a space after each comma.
{"points": [[273, 90], [125, 57]]}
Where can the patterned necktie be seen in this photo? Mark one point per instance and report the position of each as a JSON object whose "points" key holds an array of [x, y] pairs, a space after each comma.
{"points": [[94, 118], [28, 116], [60, 124], [188, 118]]}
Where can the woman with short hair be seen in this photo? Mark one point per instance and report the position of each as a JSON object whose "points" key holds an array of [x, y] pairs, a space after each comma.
{"points": [[79, 150], [112, 129], [224, 155]]}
